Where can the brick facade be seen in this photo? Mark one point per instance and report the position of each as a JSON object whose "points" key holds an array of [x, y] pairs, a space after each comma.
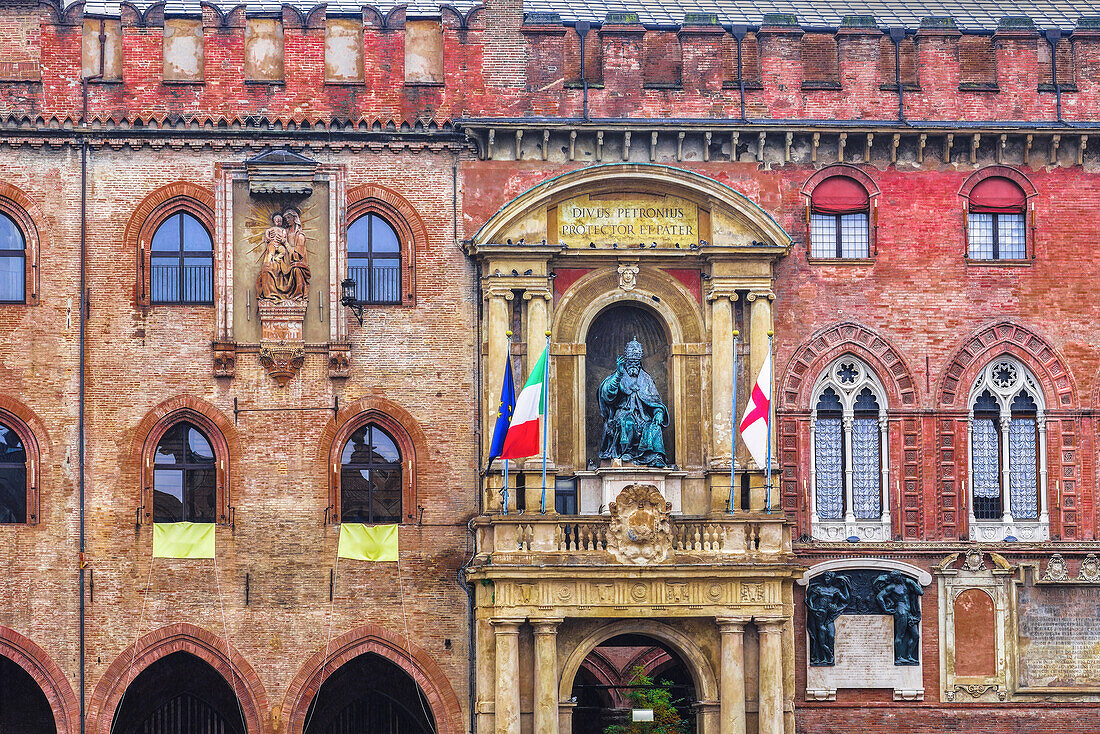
{"points": [[439, 161]]}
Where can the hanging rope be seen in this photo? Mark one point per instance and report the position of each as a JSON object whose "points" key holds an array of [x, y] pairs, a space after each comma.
{"points": [[328, 637], [137, 639], [228, 648], [419, 694]]}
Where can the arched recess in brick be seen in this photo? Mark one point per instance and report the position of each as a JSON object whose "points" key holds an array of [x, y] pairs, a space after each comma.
{"points": [[47, 674], [179, 637], [1006, 337], [793, 411], [32, 222], [32, 433], [218, 429], [1063, 441], [181, 196], [394, 420], [395, 209], [840, 169], [370, 638], [1019, 178]]}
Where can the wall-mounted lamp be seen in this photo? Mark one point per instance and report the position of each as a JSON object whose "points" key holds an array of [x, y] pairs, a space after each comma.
{"points": [[347, 287]]}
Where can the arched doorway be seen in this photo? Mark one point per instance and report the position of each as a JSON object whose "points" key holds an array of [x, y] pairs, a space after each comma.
{"points": [[607, 337], [370, 694], [629, 672], [179, 693], [24, 708]]}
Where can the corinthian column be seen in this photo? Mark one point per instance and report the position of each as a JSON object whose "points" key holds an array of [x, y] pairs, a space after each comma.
{"points": [[770, 696], [500, 308], [731, 686], [506, 632], [546, 675], [722, 367]]}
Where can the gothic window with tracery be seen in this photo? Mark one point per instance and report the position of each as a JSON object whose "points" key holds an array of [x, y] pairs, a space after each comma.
{"points": [[848, 423], [1007, 441]]}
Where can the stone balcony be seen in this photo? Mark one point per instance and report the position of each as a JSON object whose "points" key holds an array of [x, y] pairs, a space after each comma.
{"points": [[526, 539]]}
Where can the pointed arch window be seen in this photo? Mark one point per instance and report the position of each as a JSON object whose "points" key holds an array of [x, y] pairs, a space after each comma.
{"points": [[184, 476], [849, 461], [13, 262], [374, 260], [13, 477], [1007, 439], [371, 477], [182, 262]]}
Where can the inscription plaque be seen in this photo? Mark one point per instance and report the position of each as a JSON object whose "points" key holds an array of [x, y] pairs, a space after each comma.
{"points": [[1059, 637], [628, 220], [865, 659]]}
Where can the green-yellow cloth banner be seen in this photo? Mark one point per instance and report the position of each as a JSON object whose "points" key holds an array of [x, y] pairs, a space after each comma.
{"points": [[368, 542], [183, 540]]}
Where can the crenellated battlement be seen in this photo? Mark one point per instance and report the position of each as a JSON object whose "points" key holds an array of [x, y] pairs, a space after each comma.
{"points": [[396, 67]]}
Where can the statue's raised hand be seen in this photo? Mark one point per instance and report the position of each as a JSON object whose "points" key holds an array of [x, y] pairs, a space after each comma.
{"points": [[620, 364]]}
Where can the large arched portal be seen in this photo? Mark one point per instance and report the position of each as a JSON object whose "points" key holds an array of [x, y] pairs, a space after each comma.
{"points": [[179, 693], [370, 694], [629, 673], [24, 708]]}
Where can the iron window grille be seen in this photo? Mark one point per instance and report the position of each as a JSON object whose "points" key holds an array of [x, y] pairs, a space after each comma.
{"points": [[182, 262]]}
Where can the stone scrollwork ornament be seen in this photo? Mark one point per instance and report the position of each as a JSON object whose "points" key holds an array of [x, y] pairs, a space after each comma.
{"points": [[639, 531], [1057, 569], [1090, 569]]}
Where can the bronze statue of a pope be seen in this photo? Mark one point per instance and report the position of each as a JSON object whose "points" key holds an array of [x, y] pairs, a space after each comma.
{"points": [[633, 413]]}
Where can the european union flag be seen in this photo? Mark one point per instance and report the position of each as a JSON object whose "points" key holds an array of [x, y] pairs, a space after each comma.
{"points": [[504, 418]]}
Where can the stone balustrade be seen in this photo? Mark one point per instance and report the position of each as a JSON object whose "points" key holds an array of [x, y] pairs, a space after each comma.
{"points": [[514, 538]]}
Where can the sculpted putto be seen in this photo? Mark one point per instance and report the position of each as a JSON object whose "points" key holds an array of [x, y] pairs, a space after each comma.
{"points": [[284, 274]]}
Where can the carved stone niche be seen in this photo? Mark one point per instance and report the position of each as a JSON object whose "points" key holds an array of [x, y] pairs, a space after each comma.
{"points": [[640, 532], [280, 181], [974, 608]]}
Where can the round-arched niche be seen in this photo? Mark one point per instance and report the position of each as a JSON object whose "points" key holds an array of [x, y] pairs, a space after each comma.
{"points": [[607, 337]]}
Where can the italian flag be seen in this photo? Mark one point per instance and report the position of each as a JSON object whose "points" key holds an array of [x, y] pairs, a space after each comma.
{"points": [[524, 437]]}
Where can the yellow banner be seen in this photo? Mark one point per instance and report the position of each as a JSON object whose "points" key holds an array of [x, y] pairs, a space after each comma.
{"points": [[183, 540], [368, 542], [628, 220]]}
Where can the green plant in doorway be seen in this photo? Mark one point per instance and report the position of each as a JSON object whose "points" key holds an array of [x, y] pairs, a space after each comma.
{"points": [[651, 695]]}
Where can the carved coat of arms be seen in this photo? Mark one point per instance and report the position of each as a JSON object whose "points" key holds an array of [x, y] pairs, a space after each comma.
{"points": [[639, 531]]}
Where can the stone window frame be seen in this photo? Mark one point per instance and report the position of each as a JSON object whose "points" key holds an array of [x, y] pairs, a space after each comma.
{"points": [[33, 488], [879, 530], [153, 211], [1025, 183], [1037, 529], [399, 214], [217, 439], [859, 176], [22, 211], [405, 444]]}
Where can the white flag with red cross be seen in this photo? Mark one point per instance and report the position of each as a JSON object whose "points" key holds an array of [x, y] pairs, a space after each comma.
{"points": [[754, 424]]}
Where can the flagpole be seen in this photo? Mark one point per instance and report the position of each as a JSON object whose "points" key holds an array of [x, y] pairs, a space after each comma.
{"points": [[733, 425], [768, 462], [545, 416], [507, 366]]}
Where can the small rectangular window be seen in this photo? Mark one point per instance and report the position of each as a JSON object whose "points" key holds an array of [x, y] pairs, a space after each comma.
{"points": [[840, 236], [997, 236], [565, 495]]}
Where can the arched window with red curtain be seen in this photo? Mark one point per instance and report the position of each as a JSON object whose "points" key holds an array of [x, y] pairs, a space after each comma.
{"points": [[839, 208], [995, 222]]}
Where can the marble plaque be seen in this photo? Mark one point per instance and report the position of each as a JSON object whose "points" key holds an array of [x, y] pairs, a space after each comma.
{"points": [[1059, 644], [864, 659], [628, 220]]}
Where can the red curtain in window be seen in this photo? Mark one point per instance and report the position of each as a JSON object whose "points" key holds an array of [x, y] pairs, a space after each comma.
{"points": [[840, 195], [997, 195]]}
